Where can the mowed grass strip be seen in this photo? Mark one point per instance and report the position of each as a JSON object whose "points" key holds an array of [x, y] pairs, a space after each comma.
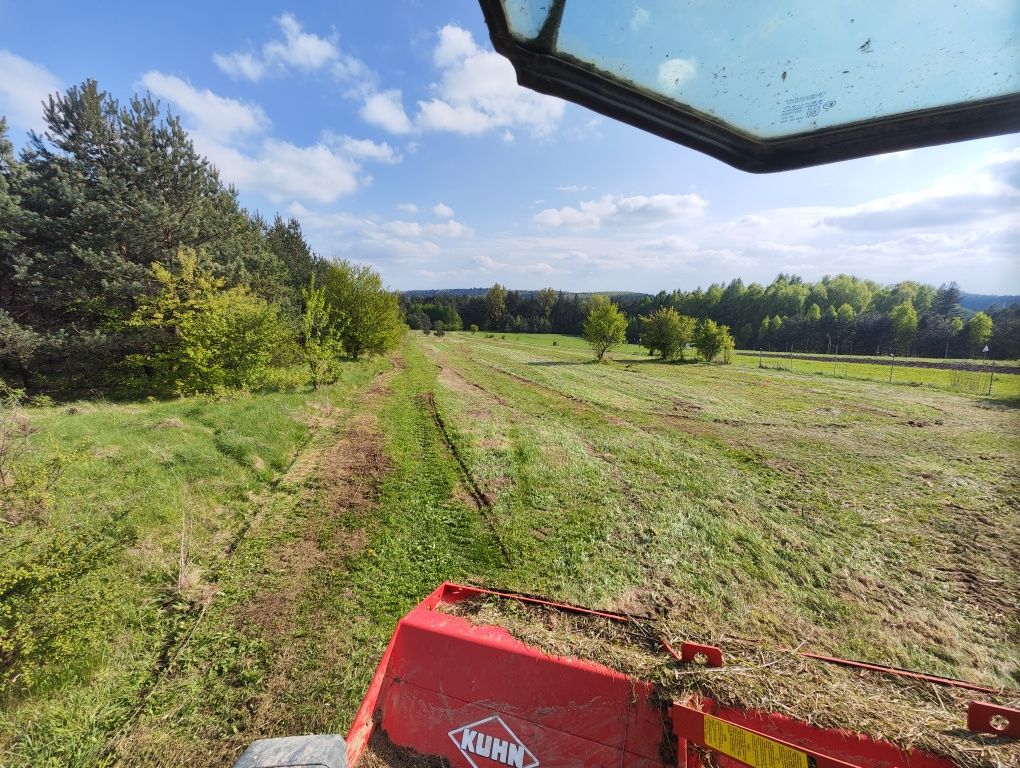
{"points": [[1005, 386], [859, 519]]}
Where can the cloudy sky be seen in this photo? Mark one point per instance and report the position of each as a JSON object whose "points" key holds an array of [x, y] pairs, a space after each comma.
{"points": [[398, 138]]}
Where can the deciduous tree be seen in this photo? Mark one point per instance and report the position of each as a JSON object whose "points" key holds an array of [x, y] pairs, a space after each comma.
{"points": [[605, 327], [904, 324], [667, 332], [373, 322], [712, 340], [321, 327], [979, 331]]}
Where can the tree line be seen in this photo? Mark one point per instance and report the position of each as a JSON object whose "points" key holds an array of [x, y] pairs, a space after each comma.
{"points": [[126, 264], [843, 314]]}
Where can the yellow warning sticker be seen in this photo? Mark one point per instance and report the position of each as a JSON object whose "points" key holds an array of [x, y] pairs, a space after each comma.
{"points": [[748, 747]]}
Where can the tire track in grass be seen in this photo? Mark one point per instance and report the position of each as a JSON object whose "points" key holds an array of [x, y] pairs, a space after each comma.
{"points": [[178, 636], [481, 499]]}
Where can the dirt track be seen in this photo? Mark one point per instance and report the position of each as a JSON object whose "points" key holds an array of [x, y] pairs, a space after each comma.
{"points": [[901, 362]]}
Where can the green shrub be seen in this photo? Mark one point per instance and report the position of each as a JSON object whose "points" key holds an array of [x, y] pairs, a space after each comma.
{"points": [[202, 336], [712, 340]]}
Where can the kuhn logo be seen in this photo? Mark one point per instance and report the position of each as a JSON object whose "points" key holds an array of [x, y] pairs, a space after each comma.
{"points": [[491, 741]]}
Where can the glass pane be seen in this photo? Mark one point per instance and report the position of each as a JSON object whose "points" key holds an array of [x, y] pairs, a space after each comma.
{"points": [[773, 72]]}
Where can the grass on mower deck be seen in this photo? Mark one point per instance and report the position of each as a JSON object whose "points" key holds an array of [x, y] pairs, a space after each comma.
{"points": [[911, 713]]}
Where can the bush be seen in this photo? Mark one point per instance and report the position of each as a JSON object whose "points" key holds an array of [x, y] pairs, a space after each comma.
{"points": [[667, 333], [473, 329], [203, 336], [320, 336], [712, 339]]}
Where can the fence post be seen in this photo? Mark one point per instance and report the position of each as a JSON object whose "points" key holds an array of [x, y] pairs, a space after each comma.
{"points": [[991, 377]]}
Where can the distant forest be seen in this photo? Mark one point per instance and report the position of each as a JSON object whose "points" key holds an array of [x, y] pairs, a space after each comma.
{"points": [[842, 314]]}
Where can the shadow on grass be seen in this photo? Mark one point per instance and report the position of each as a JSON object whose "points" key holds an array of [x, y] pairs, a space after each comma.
{"points": [[660, 361], [546, 363], [1000, 402]]}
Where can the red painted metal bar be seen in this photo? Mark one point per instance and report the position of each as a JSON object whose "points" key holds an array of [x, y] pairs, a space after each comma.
{"points": [[900, 672], [983, 717], [469, 592]]}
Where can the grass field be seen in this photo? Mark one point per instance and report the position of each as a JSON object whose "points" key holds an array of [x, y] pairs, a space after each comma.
{"points": [[846, 516]]}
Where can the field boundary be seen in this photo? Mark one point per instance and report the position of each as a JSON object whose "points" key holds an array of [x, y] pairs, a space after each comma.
{"points": [[899, 362]]}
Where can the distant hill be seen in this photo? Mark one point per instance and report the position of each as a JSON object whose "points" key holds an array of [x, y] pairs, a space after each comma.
{"points": [[426, 292], [978, 302], [422, 293]]}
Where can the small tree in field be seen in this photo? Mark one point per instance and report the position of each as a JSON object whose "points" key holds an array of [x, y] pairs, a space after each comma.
{"points": [[439, 328], [321, 346], [605, 327], [667, 333], [712, 339], [473, 329]]}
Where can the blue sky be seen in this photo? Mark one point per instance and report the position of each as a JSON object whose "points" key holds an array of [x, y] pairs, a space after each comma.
{"points": [[398, 138]]}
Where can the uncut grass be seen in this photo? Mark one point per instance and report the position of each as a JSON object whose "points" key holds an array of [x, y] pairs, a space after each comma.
{"points": [[840, 524], [911, 714], [148, 467]]}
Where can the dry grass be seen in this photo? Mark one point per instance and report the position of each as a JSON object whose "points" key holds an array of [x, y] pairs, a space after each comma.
{"points": [[909, 713]]}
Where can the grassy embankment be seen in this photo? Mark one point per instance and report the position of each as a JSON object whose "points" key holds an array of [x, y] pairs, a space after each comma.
{"points": [[852, 517]]}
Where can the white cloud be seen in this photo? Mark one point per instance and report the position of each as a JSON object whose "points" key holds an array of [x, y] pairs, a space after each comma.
{"points": [[455, 45], [296, 50], [625, 211], [233, 136], [215, 116], [442, 210], [673, 73], [363, 149], [366, 239], [405, 228], [989, 191], [239, 65], [24, 87], [408, 207], [477, 92], [284, 171], [299, 49], [386, 110], [449, 228]]}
